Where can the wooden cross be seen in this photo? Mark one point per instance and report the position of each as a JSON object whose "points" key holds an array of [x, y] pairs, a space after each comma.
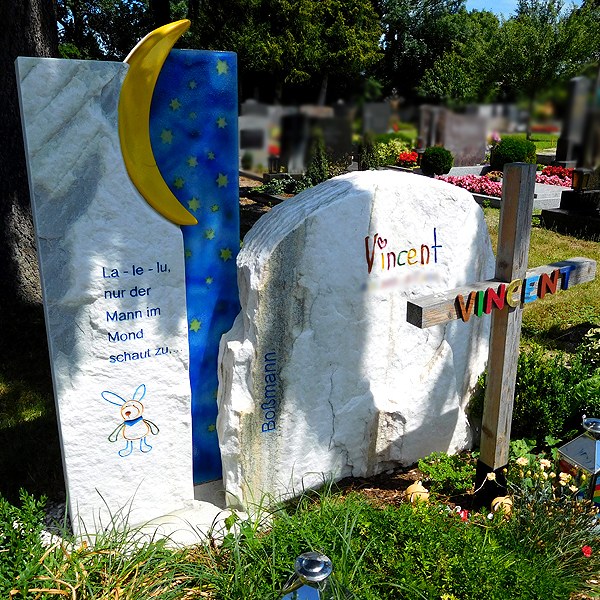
{"points": [[504, 297]]}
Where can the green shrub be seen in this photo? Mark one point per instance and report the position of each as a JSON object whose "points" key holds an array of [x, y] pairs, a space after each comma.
{"points": [[384, 138], [590, 347], [317, 170], [367, 157], [247, 161], [284, 184], [387, 153], [436, 160], [451, 475], [20, 542], [512, 149], [551, 394]]}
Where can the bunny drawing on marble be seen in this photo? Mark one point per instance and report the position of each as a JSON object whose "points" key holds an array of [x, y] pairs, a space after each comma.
{"points": [[134, 426]]}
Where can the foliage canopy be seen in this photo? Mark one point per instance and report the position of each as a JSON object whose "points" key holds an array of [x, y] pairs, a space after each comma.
{"points": [[298, 51]]}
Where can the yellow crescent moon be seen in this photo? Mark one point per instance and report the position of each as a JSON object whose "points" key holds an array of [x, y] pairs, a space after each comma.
{"points": [[145, 62]]}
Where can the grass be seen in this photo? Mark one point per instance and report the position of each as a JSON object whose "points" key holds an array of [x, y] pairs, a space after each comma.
{"points": [[560, 319], [542, 141], [420, 551]]}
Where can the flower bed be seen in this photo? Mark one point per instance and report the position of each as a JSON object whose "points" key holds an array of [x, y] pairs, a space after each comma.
{"points": [[475, 184], [407, 159], [543, 128], [491, 184]]}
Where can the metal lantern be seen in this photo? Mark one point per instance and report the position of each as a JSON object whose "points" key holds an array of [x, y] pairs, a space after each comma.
{"points": [[581, 179], [581, 459], [311, 579]]}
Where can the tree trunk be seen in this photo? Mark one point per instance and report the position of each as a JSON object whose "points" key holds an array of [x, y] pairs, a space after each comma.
{"points": [[530, 115], [193, 10], [161, 12], [323, 90], [32, 32]]}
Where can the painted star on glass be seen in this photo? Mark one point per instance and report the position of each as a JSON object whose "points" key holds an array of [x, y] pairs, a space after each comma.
{"points": [[195, 325], [188, 254], [210, 155], [211, 428], [166, 136], [222, 180], [209, 234], [175, 104], [192, 161], [225, 254], [179, 182], [221, 122], [192, 115], [192, 85], [214, 207], [208, 280], [194, 204], [222, 67]]}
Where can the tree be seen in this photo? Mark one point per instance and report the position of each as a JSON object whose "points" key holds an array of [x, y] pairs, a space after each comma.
{"points": [[543, 45], [416, 34], [32, 32], [285, 44], [465, 73], [105, 29]]}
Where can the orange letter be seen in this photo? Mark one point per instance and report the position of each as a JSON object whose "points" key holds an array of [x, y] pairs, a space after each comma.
{"points": [[465, 312]]}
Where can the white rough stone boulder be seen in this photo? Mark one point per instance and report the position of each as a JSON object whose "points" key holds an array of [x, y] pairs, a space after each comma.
{"points": [[321, 377]]}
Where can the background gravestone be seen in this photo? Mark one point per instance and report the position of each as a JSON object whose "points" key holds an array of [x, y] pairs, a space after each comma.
{"points": [[464, 135], [376, 117], [568, 147], [117, 274], [321, 376]]}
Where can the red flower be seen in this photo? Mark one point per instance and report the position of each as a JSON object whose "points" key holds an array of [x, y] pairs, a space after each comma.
{"points": [[464, 515], [407, 159], [561, 172], [587, 551]]}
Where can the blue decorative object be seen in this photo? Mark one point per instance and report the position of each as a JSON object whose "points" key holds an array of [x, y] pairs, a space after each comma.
{"points": [[194, 135]]}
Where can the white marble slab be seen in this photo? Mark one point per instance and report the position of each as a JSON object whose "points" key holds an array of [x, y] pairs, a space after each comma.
{"points": [[114, 295]]}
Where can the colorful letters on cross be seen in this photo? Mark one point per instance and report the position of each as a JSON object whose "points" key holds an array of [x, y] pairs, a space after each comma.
{"points": [[516, 292]]}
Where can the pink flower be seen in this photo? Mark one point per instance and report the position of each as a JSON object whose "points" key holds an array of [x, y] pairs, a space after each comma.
{"points": [[475, 184], [587, 551], [553, 180]]}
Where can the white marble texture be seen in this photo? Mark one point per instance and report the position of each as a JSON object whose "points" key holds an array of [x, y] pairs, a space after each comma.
{"points": [[90, 220], [322, 349]]}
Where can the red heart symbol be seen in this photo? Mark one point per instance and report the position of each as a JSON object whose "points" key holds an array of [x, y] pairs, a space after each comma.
{"points": [[381, 243]]}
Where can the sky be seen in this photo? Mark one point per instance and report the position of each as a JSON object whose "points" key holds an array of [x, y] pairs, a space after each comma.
{"points": [[500, 7]]}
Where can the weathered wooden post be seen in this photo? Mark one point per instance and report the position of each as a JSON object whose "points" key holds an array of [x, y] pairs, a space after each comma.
{"points": [[504, 296]]}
